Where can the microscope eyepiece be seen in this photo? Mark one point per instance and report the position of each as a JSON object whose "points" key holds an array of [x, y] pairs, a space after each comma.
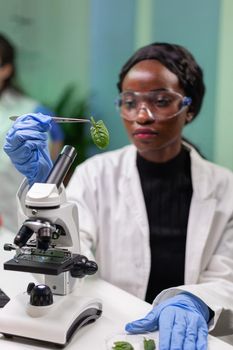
{"points": [[61, 165]]}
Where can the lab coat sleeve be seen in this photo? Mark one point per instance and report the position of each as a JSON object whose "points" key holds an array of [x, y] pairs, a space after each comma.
{"points": [[215, 285], [82, 190]]}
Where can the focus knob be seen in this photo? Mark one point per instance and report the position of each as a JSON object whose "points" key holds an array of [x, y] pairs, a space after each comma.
{"points": [[83, 266], [41, 295]]}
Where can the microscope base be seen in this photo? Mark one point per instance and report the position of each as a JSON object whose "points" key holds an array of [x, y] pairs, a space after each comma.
{"points": [[54, 324]]}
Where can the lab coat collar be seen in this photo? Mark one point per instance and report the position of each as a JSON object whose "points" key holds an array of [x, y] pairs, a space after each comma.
{"points": [[203, 187]]}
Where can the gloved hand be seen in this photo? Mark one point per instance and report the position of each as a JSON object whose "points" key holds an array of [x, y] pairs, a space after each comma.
{"points": [[26, 145], [181, 320]]}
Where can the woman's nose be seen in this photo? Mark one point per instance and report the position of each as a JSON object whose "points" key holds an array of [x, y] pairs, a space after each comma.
{"points": [[144, 115]]}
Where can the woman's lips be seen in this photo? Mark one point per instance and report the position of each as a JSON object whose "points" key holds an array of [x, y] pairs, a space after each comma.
{"points": [[145, 133]]}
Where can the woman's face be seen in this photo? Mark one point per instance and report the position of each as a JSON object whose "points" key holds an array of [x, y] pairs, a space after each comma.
{"points": [[5, 73], [155, 140]]}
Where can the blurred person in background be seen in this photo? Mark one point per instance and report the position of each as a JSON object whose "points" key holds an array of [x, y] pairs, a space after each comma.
{"points": [[14, 102], [155, 214]]}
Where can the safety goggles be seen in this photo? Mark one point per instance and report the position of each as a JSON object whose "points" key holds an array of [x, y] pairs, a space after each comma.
{"points": [[159, 104]]}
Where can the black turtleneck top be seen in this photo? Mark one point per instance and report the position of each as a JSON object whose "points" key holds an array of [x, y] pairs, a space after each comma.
{"points": [[167, 189]]}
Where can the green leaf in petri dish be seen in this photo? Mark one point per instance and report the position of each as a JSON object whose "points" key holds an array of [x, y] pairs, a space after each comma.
{"points": [[149, 344], [122, 345]]}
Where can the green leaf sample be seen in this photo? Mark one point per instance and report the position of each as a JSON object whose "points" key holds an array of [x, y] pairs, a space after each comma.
{"points": [[149, 344], [99, 133], [122, 345]]}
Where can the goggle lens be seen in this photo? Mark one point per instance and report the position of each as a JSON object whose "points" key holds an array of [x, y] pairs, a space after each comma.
{"points": [[162, 104]]}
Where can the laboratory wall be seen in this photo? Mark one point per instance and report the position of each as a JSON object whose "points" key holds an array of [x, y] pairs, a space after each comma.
{"points": [[85, 43], [53, 44], [223, 139]]}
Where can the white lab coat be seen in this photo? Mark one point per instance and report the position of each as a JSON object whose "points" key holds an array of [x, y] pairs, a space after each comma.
{"points": [[114, 225], [11, 104]]}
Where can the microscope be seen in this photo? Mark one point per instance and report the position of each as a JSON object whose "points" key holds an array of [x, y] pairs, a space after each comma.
{"points": [[48, 244]]}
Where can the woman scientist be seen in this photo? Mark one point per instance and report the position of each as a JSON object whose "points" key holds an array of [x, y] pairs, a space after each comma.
{"points": [[156, 215]]}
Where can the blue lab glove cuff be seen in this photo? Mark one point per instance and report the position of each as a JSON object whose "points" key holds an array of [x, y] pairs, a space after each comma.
{"points": [[199, 304], [183, 300]]}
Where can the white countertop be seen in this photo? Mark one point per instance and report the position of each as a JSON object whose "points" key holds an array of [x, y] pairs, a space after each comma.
{"points": [[119, 308]]}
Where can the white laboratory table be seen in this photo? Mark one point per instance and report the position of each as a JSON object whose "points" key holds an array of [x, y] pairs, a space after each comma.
{"points": [[119, 307]]}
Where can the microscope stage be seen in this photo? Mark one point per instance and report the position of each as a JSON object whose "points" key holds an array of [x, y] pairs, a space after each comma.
{"points": [[33, 264]]}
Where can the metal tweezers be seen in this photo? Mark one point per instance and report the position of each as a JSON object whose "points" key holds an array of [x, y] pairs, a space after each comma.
{"points": [[62, 119]]}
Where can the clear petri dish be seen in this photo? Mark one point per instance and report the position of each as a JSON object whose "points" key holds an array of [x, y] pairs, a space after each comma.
{"points": [[136, 340]]}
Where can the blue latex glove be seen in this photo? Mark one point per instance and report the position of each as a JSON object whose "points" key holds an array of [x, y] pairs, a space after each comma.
{"points": [[181, 320], [27, 146]]}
